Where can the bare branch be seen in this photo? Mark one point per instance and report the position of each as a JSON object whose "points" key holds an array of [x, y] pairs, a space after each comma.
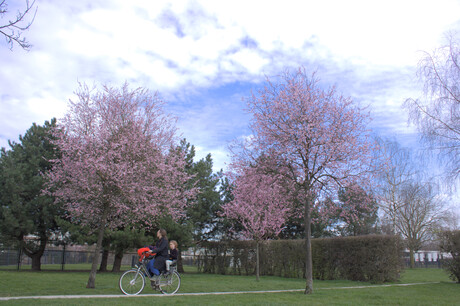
{"points": [[13, 29], [437, 113]]}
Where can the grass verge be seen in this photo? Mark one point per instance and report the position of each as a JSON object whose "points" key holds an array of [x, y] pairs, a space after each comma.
{"points": [[27, 283]]}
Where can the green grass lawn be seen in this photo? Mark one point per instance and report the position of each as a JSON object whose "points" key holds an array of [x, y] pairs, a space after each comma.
{"points": [[28, 283]]}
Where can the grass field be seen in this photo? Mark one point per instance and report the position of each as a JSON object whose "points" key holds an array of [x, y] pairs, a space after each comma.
{"points": [[28, 283]]}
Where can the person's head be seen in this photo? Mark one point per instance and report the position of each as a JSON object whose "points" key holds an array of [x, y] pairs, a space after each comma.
{"points": [[173, 244], [161, 233]]}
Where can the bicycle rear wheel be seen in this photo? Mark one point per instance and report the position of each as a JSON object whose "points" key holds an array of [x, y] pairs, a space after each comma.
{"points": [[132, 282], [170, 284]]}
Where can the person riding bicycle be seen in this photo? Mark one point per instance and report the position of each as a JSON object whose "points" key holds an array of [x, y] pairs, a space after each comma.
{"points": [[161, 249], [132, 282]]}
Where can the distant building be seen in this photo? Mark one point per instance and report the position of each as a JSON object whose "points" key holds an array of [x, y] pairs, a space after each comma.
{"points": [[427, 257]]}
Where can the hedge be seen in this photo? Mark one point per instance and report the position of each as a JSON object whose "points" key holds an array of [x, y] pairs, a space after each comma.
{"points": [[374, 258]]}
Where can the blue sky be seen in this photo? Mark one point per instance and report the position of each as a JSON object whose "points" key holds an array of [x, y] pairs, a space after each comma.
{"points": [[204, 56]]}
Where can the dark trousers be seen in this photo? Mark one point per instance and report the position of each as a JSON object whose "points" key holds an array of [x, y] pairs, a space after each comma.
{"points": [[156, 265]]}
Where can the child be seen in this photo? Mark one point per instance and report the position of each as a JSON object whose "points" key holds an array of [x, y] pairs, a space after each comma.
{"points": [[172, 253]]}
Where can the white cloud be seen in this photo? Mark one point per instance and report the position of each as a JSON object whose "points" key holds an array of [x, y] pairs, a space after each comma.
{"points": [[219, 156], [250, 60], [184, 48]]}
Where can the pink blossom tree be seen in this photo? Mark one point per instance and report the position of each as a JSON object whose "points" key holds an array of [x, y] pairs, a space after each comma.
{"points": [[117, 166], [320, 135], [260, 205]]}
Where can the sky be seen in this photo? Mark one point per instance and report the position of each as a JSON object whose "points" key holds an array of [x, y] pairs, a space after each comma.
{"points": [[204, 57]]}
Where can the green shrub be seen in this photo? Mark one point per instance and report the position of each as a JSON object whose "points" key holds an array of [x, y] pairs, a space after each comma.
{"points": [[450, 243]]}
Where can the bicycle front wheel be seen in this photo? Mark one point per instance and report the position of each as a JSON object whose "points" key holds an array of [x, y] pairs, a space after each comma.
{"points": [[132, 282], [170, 284]]}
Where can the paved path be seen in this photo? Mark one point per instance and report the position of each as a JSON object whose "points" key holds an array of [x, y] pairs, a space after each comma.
{"points": [[52, 297]]}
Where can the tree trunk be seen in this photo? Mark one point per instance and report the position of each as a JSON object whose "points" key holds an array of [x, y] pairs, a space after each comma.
{"points": [[104, 260], [180, 265], [257, 261], [92, 275], [117, 261], [36, 254], [308, 259], [36, 262], [411, 259]]}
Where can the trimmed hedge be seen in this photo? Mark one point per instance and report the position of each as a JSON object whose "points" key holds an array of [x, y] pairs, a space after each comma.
{"points": [[374, 258]]}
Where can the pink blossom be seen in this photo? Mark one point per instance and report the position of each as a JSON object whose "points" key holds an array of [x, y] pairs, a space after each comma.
{"points": [[317, 136], [117, 166]]}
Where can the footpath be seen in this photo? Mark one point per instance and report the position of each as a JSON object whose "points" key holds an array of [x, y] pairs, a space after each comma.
{"points": [[159, 295]]}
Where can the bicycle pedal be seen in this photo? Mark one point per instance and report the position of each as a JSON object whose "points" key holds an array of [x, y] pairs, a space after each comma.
{"points": [[154, 285]]}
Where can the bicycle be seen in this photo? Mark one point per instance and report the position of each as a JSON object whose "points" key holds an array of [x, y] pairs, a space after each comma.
{"points": [[132, 282]]}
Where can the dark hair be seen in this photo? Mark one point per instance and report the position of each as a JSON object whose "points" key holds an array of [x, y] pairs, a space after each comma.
{"points": [[162, 232]]}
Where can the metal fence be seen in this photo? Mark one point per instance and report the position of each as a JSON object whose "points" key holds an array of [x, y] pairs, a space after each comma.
{"points": [[58, 258], [62, 257]]}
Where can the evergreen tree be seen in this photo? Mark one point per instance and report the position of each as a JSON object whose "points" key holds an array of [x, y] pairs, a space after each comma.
{"points": [[364, 218], [201, 219], [226, 228], [180, 230], [27, 216], [117, 240], [202, 214], [122, 240]]}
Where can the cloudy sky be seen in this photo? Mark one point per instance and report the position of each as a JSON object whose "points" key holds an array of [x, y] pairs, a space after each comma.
{"points": [[204, 56]]}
